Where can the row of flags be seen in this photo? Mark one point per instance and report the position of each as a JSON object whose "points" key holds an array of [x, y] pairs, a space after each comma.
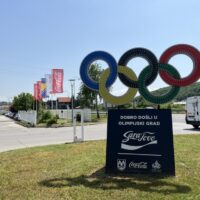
{"points": [[50, 84]]}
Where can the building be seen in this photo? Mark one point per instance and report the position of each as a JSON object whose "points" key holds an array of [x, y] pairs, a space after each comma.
{"points": [[59, 103], [63, 102]]}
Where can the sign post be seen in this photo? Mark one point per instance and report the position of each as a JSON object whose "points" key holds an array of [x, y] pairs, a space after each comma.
{"points": [[140, 141]]}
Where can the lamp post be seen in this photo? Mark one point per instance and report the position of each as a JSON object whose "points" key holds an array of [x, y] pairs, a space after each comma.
{"points": [[72, 83]]}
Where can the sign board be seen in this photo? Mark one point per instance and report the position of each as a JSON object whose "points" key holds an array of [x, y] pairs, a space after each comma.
{"points": [[140, 141]]}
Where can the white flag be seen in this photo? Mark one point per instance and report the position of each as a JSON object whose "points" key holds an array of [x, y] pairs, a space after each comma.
{"points": [[49, 83]]}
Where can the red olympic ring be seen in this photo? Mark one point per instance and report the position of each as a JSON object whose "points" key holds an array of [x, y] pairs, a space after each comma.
{"points": [[188, 50]]}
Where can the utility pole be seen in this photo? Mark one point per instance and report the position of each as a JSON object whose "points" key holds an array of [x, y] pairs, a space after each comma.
{"points": [[72, 82]]}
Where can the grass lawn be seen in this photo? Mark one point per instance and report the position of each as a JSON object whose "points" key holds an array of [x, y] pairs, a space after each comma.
{"points": [[76, 171]]}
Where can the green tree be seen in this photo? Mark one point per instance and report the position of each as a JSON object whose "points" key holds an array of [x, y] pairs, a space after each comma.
{"points": [[23, 101], [86, 97]]}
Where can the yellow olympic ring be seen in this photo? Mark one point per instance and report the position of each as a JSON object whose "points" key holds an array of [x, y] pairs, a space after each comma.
{"points": [[117, 100]]}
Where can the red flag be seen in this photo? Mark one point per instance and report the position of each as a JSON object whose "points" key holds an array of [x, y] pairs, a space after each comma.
{"points": [[35, 91], [57, 76], [39, 97]]}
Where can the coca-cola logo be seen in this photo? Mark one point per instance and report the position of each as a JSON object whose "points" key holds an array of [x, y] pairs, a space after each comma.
{"points": [[139, 165], [146, 138], [58, 78]]}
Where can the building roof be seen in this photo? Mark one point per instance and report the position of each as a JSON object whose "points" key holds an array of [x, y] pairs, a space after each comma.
{"points": [[64, 100]]}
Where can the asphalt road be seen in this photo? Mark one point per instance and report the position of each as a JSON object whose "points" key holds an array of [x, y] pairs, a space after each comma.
{"points": [[14, 136]]}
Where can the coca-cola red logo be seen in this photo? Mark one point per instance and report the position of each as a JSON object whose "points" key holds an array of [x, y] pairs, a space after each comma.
{"points": [[57, 80]]}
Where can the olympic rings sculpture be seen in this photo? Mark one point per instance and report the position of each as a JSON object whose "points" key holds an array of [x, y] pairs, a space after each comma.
{"points": [[147, 76]]}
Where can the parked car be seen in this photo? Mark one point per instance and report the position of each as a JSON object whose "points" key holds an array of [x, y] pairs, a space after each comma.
{"points": [[193, 111], [17, 117], [9, 114]]}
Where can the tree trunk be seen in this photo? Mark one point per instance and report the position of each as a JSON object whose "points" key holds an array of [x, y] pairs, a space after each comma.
{"points": [[97, 109]]}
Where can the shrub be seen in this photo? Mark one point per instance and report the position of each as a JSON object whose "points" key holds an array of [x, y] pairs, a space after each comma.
{"points": [[40, 114], [52, 121], [45, 116]]}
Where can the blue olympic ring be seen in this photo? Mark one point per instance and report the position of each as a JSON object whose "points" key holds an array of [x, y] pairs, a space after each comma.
{"points": [[98, 55]]}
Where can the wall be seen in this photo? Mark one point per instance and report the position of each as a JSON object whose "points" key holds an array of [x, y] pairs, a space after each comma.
{"points": [[28, 116], [67, 114]]}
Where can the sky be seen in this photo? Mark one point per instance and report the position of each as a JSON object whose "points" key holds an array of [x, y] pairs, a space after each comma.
{"points": [[38, 35]]}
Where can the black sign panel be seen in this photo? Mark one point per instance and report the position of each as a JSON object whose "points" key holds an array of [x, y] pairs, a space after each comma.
{"points": [[140, 141]]}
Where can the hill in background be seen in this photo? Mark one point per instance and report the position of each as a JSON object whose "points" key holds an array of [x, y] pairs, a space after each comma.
{"points": [[188, 91]]}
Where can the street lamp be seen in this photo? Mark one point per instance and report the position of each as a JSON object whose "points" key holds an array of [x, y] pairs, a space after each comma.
{"points": [[72, 83]]}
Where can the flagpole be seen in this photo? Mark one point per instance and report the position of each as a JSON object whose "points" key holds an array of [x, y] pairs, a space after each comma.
{"points": [[56, 103], [36, 106], [51, 101]]}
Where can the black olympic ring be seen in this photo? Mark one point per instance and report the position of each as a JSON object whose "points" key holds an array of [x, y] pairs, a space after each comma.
{"points": [[148, 56]]}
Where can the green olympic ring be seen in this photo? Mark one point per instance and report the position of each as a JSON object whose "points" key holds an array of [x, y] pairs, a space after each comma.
{"points": [[163, 98], [117, 100]]}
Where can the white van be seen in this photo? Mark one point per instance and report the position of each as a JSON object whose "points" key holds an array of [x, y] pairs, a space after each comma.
{"points": [[193, 111]]}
